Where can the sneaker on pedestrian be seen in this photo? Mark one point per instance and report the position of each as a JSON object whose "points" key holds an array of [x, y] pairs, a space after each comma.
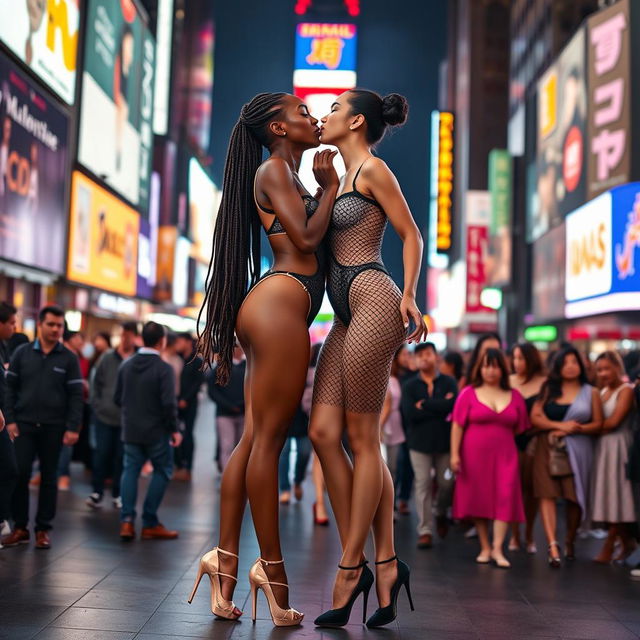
{"points": [[16, 537], [64, 483], [117, 503], [425, 541], [94, 501], [5, 528]]}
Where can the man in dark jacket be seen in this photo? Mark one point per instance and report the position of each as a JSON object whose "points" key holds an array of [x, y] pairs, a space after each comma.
{"points": [[191, 379], [8, 464], [229, 407], [43, 404], [427, 402], [145, 391], [107, 456]]}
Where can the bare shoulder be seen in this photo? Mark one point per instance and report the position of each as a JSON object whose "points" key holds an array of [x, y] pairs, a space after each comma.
{"points": [[375, 167], [275, 170]]}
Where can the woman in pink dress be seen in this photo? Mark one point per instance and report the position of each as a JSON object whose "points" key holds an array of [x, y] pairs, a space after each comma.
{"points": [[484, 456]]}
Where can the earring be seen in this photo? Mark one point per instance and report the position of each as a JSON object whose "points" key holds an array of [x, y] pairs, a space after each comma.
{"points": [[352, 127]]}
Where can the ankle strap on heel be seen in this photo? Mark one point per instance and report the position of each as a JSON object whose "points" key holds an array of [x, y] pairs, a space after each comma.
{"points": [[364, 563], [268, 562], [226, 553], [385, 561]]}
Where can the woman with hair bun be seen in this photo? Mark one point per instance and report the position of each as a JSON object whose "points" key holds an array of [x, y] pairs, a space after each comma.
{"points": [[372, 321], [271, 322]]}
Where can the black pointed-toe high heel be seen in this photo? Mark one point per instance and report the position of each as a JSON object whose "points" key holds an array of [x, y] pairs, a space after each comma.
{"points": [[340, 617], [385, 615]]}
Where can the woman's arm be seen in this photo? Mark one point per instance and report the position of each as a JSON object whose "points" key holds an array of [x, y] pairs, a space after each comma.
{"points": [[386, 190], [540, 421], [456, 438], [595, 425], [276, 182], [624, 405]]}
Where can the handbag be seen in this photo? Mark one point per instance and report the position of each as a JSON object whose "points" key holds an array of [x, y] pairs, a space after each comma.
{"points": [[559, 465]]}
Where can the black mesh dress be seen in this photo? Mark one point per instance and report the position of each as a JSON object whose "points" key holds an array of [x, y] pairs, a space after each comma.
{"points": [[355, 361]]}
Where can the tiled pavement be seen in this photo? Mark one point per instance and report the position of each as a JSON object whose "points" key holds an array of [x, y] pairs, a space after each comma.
{"points": [[90, 586]]}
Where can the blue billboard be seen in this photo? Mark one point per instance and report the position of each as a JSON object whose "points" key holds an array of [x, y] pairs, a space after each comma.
{"points": [[321, 46]]}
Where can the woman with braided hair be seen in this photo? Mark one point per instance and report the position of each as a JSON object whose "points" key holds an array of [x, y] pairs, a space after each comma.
{"points": [[271, 322], [372, 321]]}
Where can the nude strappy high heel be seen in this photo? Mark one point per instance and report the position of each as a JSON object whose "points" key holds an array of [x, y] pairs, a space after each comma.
{"points": [[258, 580], [210, 565]]}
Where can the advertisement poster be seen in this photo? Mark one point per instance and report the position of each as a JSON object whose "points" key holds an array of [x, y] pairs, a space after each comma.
{"points": [[562, 120], [549, 275], [478, 219], [609, 63], [204, 200], [603, 254], [500, 245], [33, 173], [44, 35], [103, 240], [116, 117]]}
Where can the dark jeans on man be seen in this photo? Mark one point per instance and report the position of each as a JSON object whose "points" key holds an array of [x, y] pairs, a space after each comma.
{"points": [[184, 453], [44, 441], [107, 456], [8, 473], [135, 455], [303, 454], [404, 472]]}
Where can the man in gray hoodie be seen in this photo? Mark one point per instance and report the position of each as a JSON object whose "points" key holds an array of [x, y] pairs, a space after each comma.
{"points": [[107, 456]]}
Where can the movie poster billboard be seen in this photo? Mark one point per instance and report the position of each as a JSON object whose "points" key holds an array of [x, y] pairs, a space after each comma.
{"points": [[610, 135], [562, 120], [44, 35], [33, 173], [116, 116], [103, 239]]}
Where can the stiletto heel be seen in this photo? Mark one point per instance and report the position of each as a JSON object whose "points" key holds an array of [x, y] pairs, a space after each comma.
{"points": [[258, 579], [554, 563], [408, 589], [340, 617], [385, 615], [210, 565]]}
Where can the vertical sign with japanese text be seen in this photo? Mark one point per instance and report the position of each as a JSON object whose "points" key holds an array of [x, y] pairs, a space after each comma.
{"points": [[478, 217], [499, 260], [609, 152]]}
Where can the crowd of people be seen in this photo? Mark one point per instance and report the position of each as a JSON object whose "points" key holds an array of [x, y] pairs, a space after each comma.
{"points": [[490, 438]]}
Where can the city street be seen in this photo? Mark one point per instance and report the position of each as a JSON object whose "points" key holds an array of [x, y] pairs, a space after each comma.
{"points": [[92, 586]]}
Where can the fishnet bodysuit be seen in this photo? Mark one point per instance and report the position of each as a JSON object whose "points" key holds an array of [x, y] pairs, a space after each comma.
{"points": [[355, 361]]}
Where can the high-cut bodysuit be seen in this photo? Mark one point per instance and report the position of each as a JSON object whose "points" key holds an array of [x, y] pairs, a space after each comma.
{"points": [[355, 361], [313, 284]]}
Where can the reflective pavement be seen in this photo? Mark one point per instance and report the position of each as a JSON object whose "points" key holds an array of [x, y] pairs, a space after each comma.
{"points": [[91, 586]]}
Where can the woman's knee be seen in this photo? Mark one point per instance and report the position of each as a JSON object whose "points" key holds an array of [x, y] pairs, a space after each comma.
{"points": [[324, 436]]}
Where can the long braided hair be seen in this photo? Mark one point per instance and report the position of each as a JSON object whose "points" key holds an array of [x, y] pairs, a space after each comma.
{"points": [[235, 260]]}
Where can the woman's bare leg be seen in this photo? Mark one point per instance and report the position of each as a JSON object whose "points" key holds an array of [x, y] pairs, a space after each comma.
{"points": [[548, 512], [482, 526], [318, 485]]}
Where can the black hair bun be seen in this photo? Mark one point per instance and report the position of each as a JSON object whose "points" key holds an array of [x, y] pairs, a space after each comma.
{"points": [[394, 109]]}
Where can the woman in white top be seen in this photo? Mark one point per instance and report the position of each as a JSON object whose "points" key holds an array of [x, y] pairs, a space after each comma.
{"points": [[612, 492]]}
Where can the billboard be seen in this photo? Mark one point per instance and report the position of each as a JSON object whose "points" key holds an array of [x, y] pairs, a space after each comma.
{"points": [[44, 35], [500, 189], [33, 173], [562, 120], [478, 216], [116, 116], [603, 254], [609, 63], [204, 199], [549, 275], [103, 239]]}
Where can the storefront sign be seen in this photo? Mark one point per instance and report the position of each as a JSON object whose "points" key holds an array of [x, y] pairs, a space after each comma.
{"points": [[326, 46], [444, 187], [44, 35], [562, 118], [204, 199], [103, 243], [116, 134], [33, 173], [610, 125], [543, 333], [500, 188], [603, 254]]}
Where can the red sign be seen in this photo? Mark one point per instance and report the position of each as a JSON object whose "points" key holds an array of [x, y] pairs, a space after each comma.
{"points": [[477, 252]]}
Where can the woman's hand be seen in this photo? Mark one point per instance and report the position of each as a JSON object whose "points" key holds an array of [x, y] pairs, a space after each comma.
{"points": [[324, 171], [454, 464], [571, 426], [410, 311]]}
